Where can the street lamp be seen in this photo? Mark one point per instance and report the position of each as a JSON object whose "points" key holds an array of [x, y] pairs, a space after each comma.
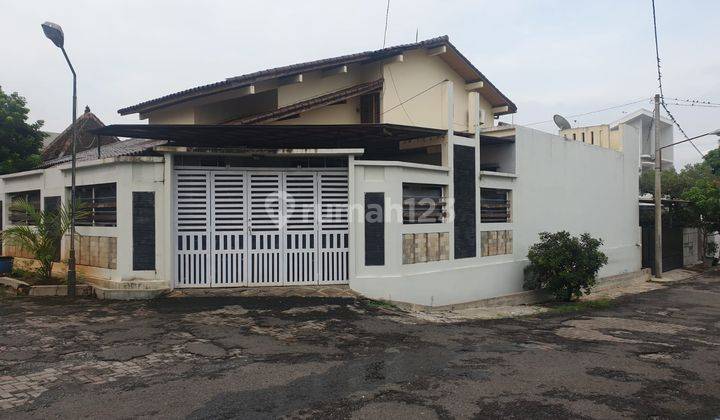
{"points": [[55, 34], [658, 191]]}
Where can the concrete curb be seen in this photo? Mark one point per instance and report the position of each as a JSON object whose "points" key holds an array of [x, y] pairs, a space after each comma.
{"points": [[129, 294], [59, 290], [44, 290], [13, 283]]}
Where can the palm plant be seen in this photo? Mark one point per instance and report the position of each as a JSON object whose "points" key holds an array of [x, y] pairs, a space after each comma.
{"points": [[42, 235]]}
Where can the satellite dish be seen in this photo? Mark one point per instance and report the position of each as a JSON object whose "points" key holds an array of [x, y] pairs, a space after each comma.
{"points": [[561, 122]]}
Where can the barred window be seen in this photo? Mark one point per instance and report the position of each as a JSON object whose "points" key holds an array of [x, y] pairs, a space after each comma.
{"points": [[423, 203], [100, 203], [495, 205], [18, 217]]}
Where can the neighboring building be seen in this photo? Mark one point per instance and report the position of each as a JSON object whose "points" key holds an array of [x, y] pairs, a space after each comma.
{"points": [[49, 138], [382, 170], [61, 144], [610, 135], [599, 135]]}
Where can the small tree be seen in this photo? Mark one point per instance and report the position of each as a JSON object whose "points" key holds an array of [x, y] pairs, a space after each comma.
{"points": [[42, 238], [564, 265]]}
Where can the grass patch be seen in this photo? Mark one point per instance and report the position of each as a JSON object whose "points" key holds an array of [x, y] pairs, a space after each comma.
{"points": [[379, 304], [583, 305]]}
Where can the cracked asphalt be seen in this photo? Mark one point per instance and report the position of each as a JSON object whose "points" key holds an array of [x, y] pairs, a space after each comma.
{"points": [[655, 354]]}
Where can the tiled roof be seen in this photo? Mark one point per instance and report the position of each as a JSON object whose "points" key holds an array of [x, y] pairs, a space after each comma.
{"points": [[62, 143], [249, 79], [130, 147]]}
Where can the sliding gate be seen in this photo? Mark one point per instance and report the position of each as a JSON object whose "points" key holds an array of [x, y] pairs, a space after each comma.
{"points": [[260, 228]]}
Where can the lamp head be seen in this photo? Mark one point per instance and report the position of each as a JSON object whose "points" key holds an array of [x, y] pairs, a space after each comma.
{"points": [[54, 33]]}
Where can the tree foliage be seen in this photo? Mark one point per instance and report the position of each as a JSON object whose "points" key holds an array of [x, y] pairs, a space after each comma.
{"points": [[674, 184], [20, 141], [699, 184], [565, 265]]}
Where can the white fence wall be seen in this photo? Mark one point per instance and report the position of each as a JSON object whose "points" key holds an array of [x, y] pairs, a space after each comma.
{"points": [[559, 185]]}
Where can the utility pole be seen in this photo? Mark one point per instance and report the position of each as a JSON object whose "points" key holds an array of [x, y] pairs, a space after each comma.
{"points": [[658, 190]]}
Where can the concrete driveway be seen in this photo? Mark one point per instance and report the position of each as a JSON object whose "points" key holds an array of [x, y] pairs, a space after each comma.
{"points": [[655, 354]]}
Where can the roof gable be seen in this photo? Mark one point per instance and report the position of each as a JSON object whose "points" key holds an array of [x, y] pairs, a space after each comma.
{"points": [[453, 57], [62, 144]]}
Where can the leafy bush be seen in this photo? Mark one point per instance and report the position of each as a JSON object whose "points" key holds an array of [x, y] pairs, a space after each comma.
{"points": [[43, 237], [564, 265]]}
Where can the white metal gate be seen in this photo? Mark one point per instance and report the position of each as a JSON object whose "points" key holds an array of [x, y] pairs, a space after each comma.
{"points": [[261, 227]]}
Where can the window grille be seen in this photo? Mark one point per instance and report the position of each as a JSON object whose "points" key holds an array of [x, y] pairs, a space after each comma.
{"points": [[423, 203], [495, 205], [18, 217], [100, 203]]}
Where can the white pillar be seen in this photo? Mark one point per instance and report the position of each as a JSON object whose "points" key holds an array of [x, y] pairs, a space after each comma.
{"points": [[168, 219], [352, 217], [448, 161], [474, 106]]}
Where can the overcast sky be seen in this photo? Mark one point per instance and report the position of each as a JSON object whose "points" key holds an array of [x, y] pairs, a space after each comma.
{"points": [[566, 57]]}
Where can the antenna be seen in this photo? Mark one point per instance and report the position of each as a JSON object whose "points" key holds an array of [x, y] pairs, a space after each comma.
{"points": [[387, 14], [561, 122], [417, 32]]}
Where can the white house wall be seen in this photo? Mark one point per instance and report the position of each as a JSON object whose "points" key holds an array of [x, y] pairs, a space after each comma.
{"points": [[560, 185], [133, 174], [402, 81], [417, 72]]}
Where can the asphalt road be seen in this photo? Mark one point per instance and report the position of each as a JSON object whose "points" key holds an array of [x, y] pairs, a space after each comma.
{"points": [[656, 355]]}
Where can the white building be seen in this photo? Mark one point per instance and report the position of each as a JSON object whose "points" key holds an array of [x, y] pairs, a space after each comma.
{"points": [[610, 136], [323, 172], [642, 121]]}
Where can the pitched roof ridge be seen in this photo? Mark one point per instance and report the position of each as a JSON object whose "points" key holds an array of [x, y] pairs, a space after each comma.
{"points": [[321, 61], [249, 78]]}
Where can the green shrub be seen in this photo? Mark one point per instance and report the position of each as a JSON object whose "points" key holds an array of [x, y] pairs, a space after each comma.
{"points": [[564, 265], [42, 237]]}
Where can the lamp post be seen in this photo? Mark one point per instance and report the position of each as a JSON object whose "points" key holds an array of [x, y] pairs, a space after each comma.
{"points": [[658, 192], [55, 34]]}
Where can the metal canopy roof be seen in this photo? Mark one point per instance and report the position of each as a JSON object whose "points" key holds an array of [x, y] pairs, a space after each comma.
{"points": [[372, 137]]}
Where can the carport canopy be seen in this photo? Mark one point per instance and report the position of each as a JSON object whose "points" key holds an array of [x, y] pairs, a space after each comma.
{"points": [[374, 138]]}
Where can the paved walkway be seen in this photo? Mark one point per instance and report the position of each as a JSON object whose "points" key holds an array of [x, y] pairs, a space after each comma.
{"points": [[498, 312], [654, 354]]}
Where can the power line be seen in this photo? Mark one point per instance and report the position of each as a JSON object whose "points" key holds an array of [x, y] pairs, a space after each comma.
{"points": [[692, 105], [594, 112], [402, 104], [413, 97], [387, 14], [662, 96], [695, 101]]}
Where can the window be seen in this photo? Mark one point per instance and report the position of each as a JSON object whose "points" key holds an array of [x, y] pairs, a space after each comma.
{"points": [[423, 203], [370, 108], [495, 205], [100, 202], [20, 217], [574, 136], [583, 136], [592, 137]]}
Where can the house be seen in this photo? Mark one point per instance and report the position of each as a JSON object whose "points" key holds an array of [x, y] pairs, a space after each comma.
{"points": [[383, 170], [61, 144], [610, 135]]}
